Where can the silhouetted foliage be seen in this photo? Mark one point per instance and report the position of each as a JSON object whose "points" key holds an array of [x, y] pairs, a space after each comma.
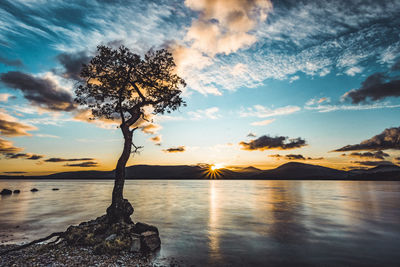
{"points": [[118, 85]]}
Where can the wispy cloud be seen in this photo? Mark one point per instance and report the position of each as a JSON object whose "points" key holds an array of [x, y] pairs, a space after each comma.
{"points": [[209, 113], [262, 123], [178, 149], [264, 112]]}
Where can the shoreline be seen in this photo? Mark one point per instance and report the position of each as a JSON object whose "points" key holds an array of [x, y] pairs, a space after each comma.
{"points": [[62, 254]]}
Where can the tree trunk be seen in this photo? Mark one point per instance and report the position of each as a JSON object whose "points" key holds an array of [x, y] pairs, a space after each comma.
{"points": [[120, 208]]}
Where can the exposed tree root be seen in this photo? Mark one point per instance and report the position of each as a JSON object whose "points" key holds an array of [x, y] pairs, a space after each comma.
{"points": [[58, 234]]}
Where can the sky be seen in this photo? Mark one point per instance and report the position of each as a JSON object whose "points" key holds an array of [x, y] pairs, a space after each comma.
{"points": [[268, 82]]}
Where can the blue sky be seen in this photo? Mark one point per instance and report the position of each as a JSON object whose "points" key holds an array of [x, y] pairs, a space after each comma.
{"points": [[326, 72]]}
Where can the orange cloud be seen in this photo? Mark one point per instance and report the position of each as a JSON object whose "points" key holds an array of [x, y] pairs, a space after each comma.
{"points": [[9, 126], [8, 147]]}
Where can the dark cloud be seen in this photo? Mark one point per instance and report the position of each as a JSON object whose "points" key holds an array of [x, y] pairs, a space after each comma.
{"points": [[13, 128], [8, 147], [373, 163], [23, 155], [65, 160], [294, 157], [251, 135], [266, 142], [83, 164], [388, 139], [35, 157], [42, 92], [14, 172], [373, 155], [175, 149], [377, 86], [16, 155], [11, 62], [72, 64]]}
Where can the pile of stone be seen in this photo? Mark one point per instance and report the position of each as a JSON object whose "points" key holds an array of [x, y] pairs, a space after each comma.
{"points": [[113, 238]]}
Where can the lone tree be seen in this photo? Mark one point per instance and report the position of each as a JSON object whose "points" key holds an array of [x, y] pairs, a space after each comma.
{"points": [[119, 85]]}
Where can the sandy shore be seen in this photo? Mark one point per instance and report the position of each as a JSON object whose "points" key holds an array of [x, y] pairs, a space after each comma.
{"points": [[64, 255]]}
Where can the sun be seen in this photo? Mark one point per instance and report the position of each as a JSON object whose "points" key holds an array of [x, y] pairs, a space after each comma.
{"points": [[216, 166]]}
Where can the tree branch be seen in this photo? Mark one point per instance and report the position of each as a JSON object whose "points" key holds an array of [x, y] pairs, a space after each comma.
{"points": [[138, 91]]}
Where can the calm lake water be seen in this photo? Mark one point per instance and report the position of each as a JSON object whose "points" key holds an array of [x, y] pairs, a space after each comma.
{"points": [[228, 223]]}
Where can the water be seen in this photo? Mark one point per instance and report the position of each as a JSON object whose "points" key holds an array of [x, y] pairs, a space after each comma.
{"points": [[228, 223]]}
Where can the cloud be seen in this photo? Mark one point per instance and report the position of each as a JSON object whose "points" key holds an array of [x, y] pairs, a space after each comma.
{"points": [[85, 115], [28, 156], [315, 101], [8, 147], [72, 63], [16, 172], [4, 97], [353, 71], [374, 155], [11, 62], [83, 164], [388, 139], [175, 149], [224, 26], [209, 113], [47, 136], [375, 87], [294, 157], [151, 128], [331, 108], [373, 163], [9, 126], [262, 123], [264, 112], [67, 160], [42, 92], [266, 142], [156, 140]]}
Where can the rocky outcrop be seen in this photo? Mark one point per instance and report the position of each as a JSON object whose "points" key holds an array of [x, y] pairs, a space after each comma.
{"points": [[113, 238]]}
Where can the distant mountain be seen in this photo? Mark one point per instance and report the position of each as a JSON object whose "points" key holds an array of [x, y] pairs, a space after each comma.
{"points": [[288, 171], [297, 170]]}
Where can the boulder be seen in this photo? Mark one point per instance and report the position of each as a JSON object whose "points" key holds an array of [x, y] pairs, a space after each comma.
{"points": [[150, 241], [16, 191], [5, 191], [34, 190], [55, 189], [142, 227]]}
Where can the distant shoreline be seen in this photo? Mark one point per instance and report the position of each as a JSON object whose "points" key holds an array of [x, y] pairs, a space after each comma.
{"points": [[40, 178], [288, 171]]}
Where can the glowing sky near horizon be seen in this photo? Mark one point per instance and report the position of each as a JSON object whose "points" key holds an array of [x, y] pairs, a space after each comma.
{"points": [[268, 82]]}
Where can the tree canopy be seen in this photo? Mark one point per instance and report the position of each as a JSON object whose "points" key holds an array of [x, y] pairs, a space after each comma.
{"points": [[119, 84]]}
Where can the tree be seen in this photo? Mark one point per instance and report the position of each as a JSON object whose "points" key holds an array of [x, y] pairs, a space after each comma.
{"points": [[118, 85]]}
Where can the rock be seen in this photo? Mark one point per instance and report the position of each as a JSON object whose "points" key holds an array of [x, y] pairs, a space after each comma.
{"points": [[143, 227], [34, 190], [150, 241], [106, 237], [16, 191], [135, 245], [55, 189], [5, 191], [111, 237]]}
